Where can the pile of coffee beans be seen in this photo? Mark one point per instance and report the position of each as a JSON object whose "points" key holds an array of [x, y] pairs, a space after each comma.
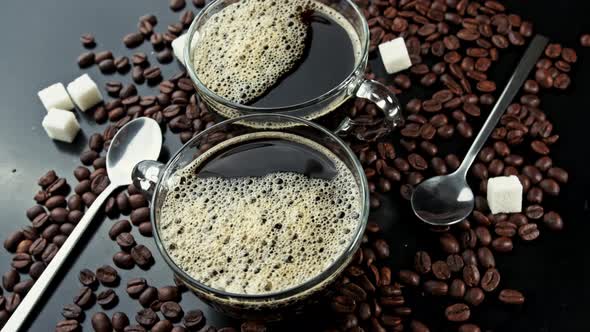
{"points": [[454, 45]]}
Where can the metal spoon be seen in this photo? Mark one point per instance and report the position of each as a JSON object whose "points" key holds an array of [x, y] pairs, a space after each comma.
{"points": [[139, 140], [446, 200]]}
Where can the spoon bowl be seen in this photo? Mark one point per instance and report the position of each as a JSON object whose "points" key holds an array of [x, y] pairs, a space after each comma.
{"points": [[443, 200]]}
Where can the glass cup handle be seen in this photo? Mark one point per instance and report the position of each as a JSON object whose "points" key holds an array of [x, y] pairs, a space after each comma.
{"points": [[146, 175], [384, 99]]}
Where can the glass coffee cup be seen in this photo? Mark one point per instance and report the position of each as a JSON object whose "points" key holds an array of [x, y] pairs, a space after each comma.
{"points": [[354, 85], [157, 181]]}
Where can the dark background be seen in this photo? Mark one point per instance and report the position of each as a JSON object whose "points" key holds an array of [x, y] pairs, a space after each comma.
{"points": [[40, 42]]}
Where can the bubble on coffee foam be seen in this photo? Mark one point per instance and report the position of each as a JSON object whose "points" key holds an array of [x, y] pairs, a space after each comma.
{"points": [[247, 47], [256, 235]]}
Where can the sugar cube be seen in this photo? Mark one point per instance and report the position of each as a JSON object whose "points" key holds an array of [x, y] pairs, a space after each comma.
{"points": [[178, 47], [55, 96], [505, 194], [84, 92], [61, 125], [395, 55]]}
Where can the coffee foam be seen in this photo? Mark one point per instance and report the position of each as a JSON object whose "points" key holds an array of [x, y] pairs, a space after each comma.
{"points": [[247, 47], [257, 235]]}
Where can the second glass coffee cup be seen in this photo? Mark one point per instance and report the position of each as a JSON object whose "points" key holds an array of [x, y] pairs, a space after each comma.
{"points": [[158, 181], [354, 85]]}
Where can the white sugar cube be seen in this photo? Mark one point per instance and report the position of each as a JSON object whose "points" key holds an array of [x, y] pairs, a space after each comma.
{"points": [[505, 194], [178, 47], [55, 96], [61, 125], [84, 92], [395, 55]]}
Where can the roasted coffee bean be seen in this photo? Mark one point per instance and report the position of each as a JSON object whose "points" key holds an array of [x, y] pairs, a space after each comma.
{"points": [[107, 298], [69, 325], [457, 288], [146, 317], [88, 156], [140, 215], [142, 255], [87, 278], [133, 39], [441, 270], [101, 322], [59, 215], [107, 275], [171, 310], [410, 278], [471, 275], [342, 304], [177, 5], [136, 286], [553, 220], [422, 262], [485, 257], [23, 287], [47, 179], [119, 321], [153, 75], [123, 260], [457, 312], [164, 326], [544, 78], [84, 298], [10, 279], [137, 75], [535, 195], [502, 244], [449, 243], [107, 66], [36, 269], [126, 241], [474, 296], [21, 261], [34, 211], [147, 296], [550, 187], [23, 246], [72, 311], [104, 55], [194, 320], [510, 296], [438, 288], [490, 280], [534, 212], [86, 59], [146, 229], [88, 40], [168, 293], [455, 263], [122, 64], [165, 56], [122, 202]]}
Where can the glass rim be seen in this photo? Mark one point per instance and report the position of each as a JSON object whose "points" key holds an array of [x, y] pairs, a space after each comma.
{"points": [[295, 290], [287, 109]]}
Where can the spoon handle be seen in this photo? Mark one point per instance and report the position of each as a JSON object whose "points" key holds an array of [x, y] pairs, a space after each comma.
{"points": [[521, 73], [36, 292]]}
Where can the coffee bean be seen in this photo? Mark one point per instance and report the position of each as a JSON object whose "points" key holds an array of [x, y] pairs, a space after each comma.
{"points": [[553, 221], [107, 275], [457, 312], [152, 74], [502, 244], [119, 321], [550, 187], [104, 55], [101, 322], [177, 5], [87, 278], [107, 298], [165, 56], [59, 215], [409, 277], [107, 66], [471, 275], [99, 184], [449, 243], [142, 255], [485, 257], [86, 59], [21, 261], [510, 296], [72, 311], [126, 241], [140, 215], [37, 269], [149, 295], [474, 296], [136, 286], [194, 320], [438, 288], [163, 326], [341, 304], [422, 262], [490, 280], [469, 328], [84, 298], [23, 246], [171, 310], [123, 260], [69, 325], [457, 288], [441, 270], [534, 212], [455, 263], [133, 39]]}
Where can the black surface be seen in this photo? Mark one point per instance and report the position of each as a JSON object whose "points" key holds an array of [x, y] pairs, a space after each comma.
{"points": [[40, 42]]}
